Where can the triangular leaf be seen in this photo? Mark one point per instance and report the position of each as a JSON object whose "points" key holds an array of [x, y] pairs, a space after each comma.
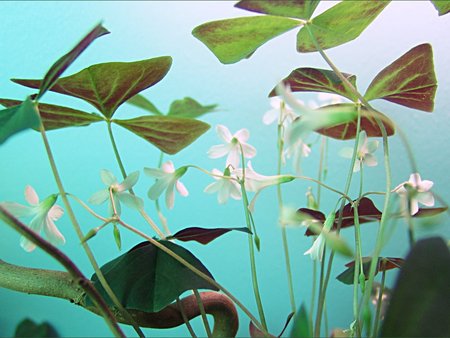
{"points": [[410, 80], [232, 40], [339, 24], [189, 108], [302, 327], [346, 131], [107, 85], [419, 305], [66, 60], [140, 101], [169, 134], [148, 279], [17, 118], [367, 212], [427, 212], [203, 235], [302, 9], [384, 264], [318, 80], [442, 6], [56, 117]]}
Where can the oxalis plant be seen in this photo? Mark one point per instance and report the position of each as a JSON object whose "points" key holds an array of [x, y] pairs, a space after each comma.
{"points": [[146, 286]]}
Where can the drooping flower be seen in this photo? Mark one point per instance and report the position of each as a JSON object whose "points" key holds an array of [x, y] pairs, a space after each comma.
{"points": [[167, 178], [365, 152], [415, 191], [255, 182], [232, 146], [44, 215], [225, 186], [317, 248], [310, 119], [118, 190]]}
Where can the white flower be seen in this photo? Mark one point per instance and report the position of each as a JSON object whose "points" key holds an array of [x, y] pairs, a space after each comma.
{"points": [[119, 192], [255, 182], [44, 214], [416, 191], [329, 98], [296, 150], [365, 152], [280, 112], [232, 146], [166, 179], [311, 120], [225, 186], [316, 250]]}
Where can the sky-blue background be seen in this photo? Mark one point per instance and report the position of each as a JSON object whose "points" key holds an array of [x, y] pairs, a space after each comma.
{"points": [[34, 34]]}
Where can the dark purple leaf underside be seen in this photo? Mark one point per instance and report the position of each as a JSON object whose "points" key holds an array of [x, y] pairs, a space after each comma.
{"points": [[302, 9], [66, 60], [347, 131], [367, 212], [56, 117], [409, 81], [204, 235], [427, 212], [318, 80]]}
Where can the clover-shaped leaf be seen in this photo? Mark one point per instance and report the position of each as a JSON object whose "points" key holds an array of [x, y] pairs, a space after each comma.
{"points": [[410, 80], [189, 108], [107, 85], [302, 9]]}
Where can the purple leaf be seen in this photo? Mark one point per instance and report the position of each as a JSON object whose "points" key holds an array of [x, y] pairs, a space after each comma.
{"points": [[203, 235]]}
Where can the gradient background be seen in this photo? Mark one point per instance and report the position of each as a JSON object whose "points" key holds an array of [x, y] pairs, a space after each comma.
{"points": [[34, 34]]}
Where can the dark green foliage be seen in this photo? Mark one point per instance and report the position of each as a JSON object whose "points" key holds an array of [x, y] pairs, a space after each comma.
{"points": [[29, 329]]}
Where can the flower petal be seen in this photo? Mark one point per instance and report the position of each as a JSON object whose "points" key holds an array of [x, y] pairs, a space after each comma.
{"points": [[242, 135], [182, 189], [425, 185], [224, 133], [55, 212], [170, 196], [154, 172], [426, 198], [99, 197], [31, 196], [131, 201], [107, 177], [129, 181], [270, 116], [233, 158], [19, 210], [168, 167], [36, 225], [158, 187], [370, 160], [218, 151], [414, 206], [213, 187], [53, 234], [316, 250], [346, 152], [249, 150]]}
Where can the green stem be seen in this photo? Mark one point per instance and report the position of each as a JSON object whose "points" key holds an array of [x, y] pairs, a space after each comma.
{"points": [[157, 205], [124, 175], [185, 318], [76, 274], [283, 229], [203, 313], [76, 224]]}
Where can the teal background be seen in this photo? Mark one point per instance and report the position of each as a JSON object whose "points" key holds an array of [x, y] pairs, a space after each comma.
{"points": [[34, 34]]}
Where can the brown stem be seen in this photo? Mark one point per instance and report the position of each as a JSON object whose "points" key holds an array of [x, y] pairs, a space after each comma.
{"points": [[62, 285]]}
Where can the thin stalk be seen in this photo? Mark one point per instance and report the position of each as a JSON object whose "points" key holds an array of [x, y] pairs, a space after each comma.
{"points": [[320, 302], [197, 272], [185, 318], [319, 174], [379, 305], [158, 207], [124, 175], [68, 265], [283, 229], [203, 313], [410, 223], [77, 227]]}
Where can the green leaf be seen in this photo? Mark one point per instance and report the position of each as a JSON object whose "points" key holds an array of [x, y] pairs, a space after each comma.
{"points": [[442, 6], [148, 279], [56, 117], [189, 108], [318, 80], [140, 101], [339, 24], [28, 328], [302, 9], [17, 118], [117, 237], [107, 85], [169, 134], [410, 80], [347, 130], [419, 305], [232, 40], [302, 327], [66, 60]]}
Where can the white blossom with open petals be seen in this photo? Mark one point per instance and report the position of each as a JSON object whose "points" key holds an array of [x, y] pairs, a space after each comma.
{"points": [[232, 146], [364, 155], [119, 192], [225, 186], [415, 191], [167, 178], [44, 215]]}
